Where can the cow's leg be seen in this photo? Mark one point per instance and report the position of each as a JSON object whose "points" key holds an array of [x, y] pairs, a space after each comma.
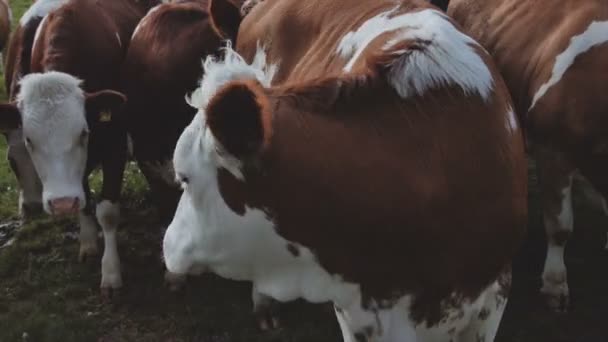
{"points": [[175, 281], [88, 226], [266, 310], [592, 196], [485, 321], [108, 213], [163, 187], [369, 323], [555, 177]]}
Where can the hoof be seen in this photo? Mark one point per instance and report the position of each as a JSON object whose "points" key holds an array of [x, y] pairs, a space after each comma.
{"points": [[266, 324], [109, 294], [175, 282], [87, 251], [267, 315], [556, 297]]}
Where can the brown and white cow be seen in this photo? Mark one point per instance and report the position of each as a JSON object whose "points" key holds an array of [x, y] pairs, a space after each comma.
{"points": [[18, 64], [554, 60], [370, 159], [65, 109]]}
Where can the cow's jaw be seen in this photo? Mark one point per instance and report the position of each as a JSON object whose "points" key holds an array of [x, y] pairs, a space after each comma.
{"points": [[55, 132]]}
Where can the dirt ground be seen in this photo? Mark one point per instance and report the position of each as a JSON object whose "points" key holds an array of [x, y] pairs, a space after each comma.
{"points": [[46, 295]]}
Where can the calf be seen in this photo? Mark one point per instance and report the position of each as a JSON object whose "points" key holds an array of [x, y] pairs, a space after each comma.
{"points": [[558, 87], [378, 166], [66, 112]]}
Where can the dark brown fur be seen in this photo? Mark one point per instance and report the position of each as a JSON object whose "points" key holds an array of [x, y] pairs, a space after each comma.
{"points": [[163, 65]]}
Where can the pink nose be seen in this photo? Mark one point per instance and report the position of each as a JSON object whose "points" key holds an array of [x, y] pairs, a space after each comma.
{"points": [[64, 205]]}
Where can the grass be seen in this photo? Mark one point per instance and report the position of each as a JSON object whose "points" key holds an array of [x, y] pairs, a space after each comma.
{"points": [[47, 295]]}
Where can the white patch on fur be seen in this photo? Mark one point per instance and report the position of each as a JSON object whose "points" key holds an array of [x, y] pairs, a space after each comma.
{"points": [[53, 115], [555, 282], [40, 8], [118, 38], [511, 120], [448, 56], [144, 20], [39, 31], [595, 34], [230, 67], [108, 215]]}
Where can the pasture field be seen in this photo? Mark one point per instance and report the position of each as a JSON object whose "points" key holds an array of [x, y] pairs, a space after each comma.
{"points": [[47, 295]]}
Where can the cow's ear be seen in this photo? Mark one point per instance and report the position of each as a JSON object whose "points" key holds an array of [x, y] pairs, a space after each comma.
{"points": [[103, 106], [225, 18], [240, 118], [10, 117]]}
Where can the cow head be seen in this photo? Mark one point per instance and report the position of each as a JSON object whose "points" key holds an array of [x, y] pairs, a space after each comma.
{"points": [[56, 117], [232, 126]]}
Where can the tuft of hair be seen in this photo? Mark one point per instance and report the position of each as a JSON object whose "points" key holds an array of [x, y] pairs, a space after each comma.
{"points": [[230, 67], [40, 9], [52, 87], [239, 118], [426, 51], [438, 55]]}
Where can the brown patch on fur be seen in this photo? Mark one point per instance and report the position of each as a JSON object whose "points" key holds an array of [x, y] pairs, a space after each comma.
{"points": [[10, 117], [239, 117], [232, 190]]}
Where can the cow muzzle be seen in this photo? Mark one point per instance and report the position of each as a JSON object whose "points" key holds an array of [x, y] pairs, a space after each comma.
{"points": [[64, 206]]}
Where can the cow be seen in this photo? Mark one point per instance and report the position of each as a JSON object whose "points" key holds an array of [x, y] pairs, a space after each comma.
{"points": [[17, 64], [555, 79], [65, 106], [378, 165], [163, 65]]}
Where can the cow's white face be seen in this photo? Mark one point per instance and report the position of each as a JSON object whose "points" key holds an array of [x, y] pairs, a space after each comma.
{"points": [[55, 132], [55, 115], [195, 170]]}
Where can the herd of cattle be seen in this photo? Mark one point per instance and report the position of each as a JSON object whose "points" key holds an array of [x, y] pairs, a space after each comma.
{"points": [[369, 153]]}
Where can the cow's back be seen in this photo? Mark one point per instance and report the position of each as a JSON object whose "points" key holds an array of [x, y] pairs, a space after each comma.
{"points": [[162, 65], [525, 37], [88, 39], [304, 38]]}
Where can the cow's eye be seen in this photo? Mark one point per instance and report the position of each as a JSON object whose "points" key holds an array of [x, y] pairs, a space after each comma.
{"points": [[183, 179], [28, 143]]}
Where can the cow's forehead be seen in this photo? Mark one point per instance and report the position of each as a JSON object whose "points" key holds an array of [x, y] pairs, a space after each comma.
{"points": [[188, 143], [51, 102]]}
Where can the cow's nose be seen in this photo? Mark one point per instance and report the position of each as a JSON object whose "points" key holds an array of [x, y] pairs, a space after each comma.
{"points": [[64, 205]]}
